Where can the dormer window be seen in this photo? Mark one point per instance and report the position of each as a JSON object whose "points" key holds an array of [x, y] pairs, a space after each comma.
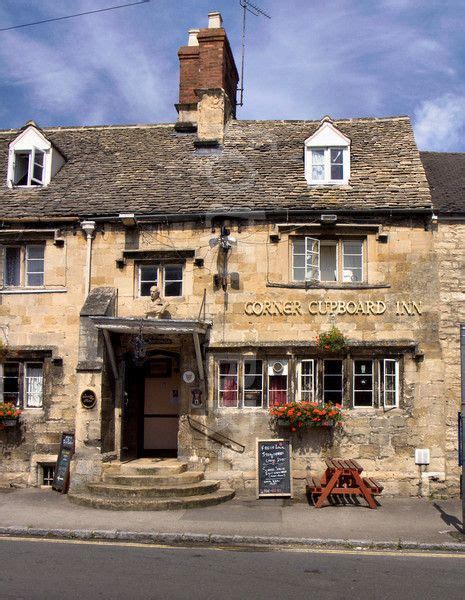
{"points": [[29, 167], [327, 156], [33, 160]]}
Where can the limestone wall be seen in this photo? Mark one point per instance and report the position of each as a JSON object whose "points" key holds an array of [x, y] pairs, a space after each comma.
{"points": [[450, 248], [50, 320], [401, 268]]}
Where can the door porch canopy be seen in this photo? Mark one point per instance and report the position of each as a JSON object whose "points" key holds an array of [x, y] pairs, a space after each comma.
{"points": [[144, 325]]}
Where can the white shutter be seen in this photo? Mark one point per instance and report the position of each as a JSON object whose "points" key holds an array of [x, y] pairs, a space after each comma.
{"points": [[312, 259]]}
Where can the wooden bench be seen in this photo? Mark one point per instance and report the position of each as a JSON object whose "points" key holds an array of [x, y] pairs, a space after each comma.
{"points": [[375, 487], [342, 479]]}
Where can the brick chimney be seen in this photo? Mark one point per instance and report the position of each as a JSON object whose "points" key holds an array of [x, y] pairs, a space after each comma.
{"points": [[208, 80]]}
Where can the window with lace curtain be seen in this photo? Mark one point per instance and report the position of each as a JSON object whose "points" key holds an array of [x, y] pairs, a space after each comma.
{"points": [[24, 266], [22, 384]]}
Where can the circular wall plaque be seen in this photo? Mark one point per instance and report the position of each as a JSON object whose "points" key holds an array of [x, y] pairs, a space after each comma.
{"points": [[88, 399], [188, 376]]}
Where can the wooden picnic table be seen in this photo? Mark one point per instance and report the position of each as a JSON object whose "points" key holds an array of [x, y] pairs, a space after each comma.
{"points": [[343, 477]]}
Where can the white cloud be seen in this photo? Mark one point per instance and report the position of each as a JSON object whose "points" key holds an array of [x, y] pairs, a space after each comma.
{"points": [[87, 75], [439, 124]]}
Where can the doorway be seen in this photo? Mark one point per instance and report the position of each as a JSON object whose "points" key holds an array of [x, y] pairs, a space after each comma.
{"points": [[161, 408], [150, 415]]}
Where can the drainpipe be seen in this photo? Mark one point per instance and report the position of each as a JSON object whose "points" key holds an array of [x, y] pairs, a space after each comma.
{"points": [[88, 227]]}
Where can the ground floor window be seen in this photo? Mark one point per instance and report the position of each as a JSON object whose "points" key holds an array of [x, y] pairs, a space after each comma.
{"points": [[333, 381], [260, 382], [47, 474], [22, 383]]}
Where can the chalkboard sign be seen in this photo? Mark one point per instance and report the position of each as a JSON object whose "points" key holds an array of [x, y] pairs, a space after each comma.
{"points": [[61, 477], [274, 468]]}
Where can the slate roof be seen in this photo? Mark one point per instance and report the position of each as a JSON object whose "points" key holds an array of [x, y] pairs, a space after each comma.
{"points": [[155, 170], [445, 172]]}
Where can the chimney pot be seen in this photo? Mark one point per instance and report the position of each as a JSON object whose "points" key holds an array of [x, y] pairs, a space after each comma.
{"points": [[193, 41], [215, 20]]}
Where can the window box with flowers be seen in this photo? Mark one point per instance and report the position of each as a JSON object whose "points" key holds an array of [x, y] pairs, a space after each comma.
{"points": [[301, 415], [9, 415]]}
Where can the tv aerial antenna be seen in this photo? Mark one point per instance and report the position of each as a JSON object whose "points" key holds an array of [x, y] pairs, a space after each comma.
{"points": [[255, 10]]}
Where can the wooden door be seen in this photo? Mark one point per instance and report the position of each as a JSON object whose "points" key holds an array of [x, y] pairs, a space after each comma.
{"points": [[161, 408], [133, 397]]}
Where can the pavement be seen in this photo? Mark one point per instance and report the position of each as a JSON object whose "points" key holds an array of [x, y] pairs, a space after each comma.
{"points": [[403, 523]]}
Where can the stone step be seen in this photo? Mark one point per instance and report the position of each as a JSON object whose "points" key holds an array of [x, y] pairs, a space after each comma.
{"points": [[153, 491], [149, 467], [146, 480], [113, 503]]}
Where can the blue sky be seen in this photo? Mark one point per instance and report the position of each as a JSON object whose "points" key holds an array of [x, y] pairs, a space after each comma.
{"points": [[338, 57]]}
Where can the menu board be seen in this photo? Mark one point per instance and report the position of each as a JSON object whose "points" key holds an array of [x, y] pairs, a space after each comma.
{"points": [[61, 477], [274, 468]]}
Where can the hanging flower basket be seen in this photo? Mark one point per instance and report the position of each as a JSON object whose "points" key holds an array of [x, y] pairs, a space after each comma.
{"points": [[302, 415], [9, 414], [331, 341]]}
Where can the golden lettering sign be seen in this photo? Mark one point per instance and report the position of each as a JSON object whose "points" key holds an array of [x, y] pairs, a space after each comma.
{"points": [[286, 308]]}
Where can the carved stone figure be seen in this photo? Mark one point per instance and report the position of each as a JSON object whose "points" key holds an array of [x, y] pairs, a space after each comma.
{"points": [[157, 307]]}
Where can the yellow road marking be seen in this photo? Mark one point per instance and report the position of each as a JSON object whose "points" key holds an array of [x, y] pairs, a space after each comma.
{"points": [[251, 548]]}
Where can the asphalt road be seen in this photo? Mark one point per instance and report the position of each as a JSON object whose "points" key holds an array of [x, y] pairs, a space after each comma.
{"points": [[66, 570]]}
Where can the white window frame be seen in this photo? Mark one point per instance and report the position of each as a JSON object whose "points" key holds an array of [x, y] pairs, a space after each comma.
{"points": [[372, 375], [140, 280], [238, 391], [330, 243], [300, 375], [327, 165], [163, 269], [310, 242], [288, 380], [396, 375], [362, 255], [23, 266], [244, 389], [26, 395], [31, 180], [23, 367], [26, 265], [323, 387]]}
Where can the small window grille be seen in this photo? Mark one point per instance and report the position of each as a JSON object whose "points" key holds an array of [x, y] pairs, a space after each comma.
{"points": [[48, 473]]}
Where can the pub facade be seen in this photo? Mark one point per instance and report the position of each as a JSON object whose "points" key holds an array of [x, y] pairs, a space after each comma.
{"points": [[164, 285]]}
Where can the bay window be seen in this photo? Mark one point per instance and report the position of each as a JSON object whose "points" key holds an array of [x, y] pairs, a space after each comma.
{"points": [[354, 383]]}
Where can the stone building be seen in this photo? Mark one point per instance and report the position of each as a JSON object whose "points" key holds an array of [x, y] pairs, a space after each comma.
{"points": [[445, 173], [182, 273]]}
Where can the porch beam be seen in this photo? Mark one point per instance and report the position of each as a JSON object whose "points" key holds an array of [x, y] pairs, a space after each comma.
{"points": [[198, 355], [111, 354]]}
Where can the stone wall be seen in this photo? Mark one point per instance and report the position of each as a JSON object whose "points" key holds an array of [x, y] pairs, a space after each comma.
{"points": [[46, 324], [401, 267], [450, 249]]}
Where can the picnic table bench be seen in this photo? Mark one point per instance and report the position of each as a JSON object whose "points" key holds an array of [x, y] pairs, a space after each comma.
{"points": [[343, 477]]}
